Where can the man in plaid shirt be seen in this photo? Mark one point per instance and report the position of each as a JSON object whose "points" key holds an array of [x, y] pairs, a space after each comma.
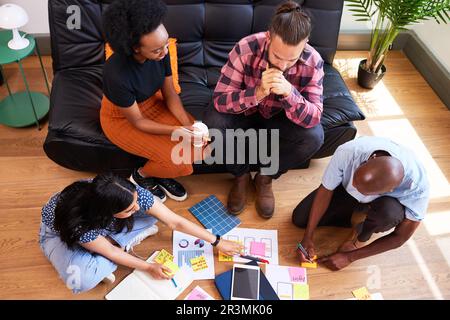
{"points": [[272, 80]]}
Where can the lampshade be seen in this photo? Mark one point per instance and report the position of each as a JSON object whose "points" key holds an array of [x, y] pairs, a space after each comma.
{"points": [[12, 16]]}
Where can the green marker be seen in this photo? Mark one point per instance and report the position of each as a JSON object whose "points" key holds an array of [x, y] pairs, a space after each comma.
{"points": [[305, 253]]}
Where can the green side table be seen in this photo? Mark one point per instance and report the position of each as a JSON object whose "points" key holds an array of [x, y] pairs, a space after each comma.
{"points": [[23, 108]]}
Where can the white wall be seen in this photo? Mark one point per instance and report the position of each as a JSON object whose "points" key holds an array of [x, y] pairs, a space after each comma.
{"points": [[348, 23], [37, 13], [430, 33], [436, 38]]}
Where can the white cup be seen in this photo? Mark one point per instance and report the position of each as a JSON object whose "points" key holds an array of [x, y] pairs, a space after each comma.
{"points": [[200, 132]]}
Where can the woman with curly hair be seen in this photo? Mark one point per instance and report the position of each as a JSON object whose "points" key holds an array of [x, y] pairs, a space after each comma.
{"points": [[90, 227], [140, 107]]}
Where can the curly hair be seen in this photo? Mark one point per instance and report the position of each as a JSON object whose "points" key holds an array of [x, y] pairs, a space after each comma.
{"points": [[126, 21]]}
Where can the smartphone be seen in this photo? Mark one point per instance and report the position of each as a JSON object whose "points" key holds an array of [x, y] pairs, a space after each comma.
{"points": [[245, 282]]}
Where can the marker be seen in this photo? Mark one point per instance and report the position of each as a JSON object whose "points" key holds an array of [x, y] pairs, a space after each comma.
{"points": [[254, 258], [174, 283], [305, 253]]}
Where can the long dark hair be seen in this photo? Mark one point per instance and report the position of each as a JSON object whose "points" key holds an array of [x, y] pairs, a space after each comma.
{"points": [[291, 23], [84, 206]]}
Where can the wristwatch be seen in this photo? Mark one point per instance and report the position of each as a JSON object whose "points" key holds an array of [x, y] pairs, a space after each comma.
{"points": [[215, 243]]}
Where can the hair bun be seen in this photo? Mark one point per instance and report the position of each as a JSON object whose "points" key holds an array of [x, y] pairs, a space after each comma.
{"points": [[290, 6]]}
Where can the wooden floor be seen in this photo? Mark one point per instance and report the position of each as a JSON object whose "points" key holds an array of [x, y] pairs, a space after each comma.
{"points": [[402, 107]]}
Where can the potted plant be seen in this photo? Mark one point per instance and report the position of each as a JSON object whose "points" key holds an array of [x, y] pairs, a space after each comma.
{"points": [[391, 17]]}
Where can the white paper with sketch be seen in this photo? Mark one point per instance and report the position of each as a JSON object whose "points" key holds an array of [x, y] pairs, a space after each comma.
{"points": [[257, 242], [186, 247], [284, 280], [141, 286]]}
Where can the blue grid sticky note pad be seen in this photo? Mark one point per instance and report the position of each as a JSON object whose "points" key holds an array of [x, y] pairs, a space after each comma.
{"points": [[213, 215]]}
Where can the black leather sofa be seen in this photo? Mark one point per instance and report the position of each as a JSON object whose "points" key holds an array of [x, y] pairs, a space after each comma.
{"points": [[206, 31]]}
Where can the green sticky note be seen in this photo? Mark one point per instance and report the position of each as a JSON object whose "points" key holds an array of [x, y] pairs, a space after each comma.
{"points": [[301, 291], [172, 266]]}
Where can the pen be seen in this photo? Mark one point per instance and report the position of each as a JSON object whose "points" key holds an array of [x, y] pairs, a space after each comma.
{"points": [[254, 259], [305, 253], [174, 283]]}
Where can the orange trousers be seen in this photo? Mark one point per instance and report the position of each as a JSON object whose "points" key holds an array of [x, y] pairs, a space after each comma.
{"points": [[156, 148]]}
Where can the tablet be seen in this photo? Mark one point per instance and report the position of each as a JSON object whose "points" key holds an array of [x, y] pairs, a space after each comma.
{"points": [[245, 282]]}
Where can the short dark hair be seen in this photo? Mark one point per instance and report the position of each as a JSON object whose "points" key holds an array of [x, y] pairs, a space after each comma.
{"points": [[84, 206], [126, 21], [291, 23]]}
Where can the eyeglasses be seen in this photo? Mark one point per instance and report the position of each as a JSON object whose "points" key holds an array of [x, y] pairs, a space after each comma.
{"points": [[158, 51]]}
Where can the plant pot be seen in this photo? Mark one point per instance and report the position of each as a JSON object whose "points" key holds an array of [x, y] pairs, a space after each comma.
{"points": [[367, 79]]}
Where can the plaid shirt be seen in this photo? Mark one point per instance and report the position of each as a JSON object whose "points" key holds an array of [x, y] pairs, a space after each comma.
{"points": [[235, 89]]}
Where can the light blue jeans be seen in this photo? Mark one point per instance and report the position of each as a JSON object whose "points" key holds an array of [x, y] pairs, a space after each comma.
{"points": [[80, 269]]}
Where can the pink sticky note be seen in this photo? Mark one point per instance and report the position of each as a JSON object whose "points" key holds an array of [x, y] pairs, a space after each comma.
{"points": [[297, 274], [258, 248], [196, 295]]}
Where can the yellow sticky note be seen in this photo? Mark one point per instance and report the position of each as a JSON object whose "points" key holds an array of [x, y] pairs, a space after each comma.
{"points": [[199, 263], [224, 257], [163, 256], [309, 264], [301, 291], [362, 294], [172, 266]]}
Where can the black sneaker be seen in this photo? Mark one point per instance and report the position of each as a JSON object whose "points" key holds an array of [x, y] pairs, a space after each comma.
{"points": [[172, 188], [148, 183]]}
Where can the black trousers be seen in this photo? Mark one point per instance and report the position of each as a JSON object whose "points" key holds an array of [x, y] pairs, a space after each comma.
{"points": [[383, 213], [296, 144]]}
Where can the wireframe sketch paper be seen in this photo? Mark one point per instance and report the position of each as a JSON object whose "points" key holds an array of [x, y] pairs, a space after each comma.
{"points": [[141, 286], [187, 251], [290, 283], [257, 242]]}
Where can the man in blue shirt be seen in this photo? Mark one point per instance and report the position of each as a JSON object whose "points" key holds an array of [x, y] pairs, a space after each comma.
{"points": [[384, 176]]}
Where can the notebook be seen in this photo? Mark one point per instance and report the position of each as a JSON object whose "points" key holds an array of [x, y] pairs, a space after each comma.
{"points": [[140, 285], [223, 284], [213, 215]]}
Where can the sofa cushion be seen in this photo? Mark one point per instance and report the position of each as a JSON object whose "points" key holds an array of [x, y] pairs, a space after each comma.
{"points": [[75, 103], [338, 105], [75, 46], [195, 98]]}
